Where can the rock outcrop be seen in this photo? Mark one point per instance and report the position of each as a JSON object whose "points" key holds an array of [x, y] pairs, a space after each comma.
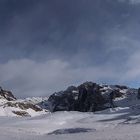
{"points": [[88, 97], [7, 95]]}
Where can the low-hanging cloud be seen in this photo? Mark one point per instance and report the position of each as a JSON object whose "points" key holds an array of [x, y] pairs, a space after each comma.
{"points": [[29, 78]]}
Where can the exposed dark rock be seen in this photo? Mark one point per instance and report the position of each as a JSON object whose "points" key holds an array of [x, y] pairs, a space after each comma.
{"points": [[21, 113], [86, 97], [22, 105], [111, 97], [71, 88], [138, 95], [7, 95]]}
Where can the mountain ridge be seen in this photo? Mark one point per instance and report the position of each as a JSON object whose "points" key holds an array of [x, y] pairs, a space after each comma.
{"points": [[87, 97]]}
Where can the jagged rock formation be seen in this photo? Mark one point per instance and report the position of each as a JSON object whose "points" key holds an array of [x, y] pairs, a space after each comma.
{"points": [[7, 95], [86, 97], [10, 106]]}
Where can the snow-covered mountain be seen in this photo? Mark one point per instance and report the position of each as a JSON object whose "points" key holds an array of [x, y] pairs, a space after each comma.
{"points": [[102, 112], [87, 97], [10, 106], [91, 97]]}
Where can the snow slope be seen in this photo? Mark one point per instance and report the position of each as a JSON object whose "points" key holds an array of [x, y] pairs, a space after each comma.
{"points": [[110, 124], [119, 123], [11, 106], [21, 107]]}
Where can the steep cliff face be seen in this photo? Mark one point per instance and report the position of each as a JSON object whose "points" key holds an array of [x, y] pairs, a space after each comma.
{"points": [[90, 97]]}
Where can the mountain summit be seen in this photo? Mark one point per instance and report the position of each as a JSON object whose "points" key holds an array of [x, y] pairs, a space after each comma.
{"points": [[91, 97]]}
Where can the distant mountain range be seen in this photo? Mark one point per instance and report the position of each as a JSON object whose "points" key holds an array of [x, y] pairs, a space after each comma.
{"points": [[87, 97]]}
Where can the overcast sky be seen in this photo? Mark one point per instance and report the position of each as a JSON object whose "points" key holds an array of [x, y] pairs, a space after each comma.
{"points": [[47, 45]]}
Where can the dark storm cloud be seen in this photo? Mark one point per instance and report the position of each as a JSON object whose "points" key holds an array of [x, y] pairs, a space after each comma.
{"points": [[46, 45], [32, 26]]}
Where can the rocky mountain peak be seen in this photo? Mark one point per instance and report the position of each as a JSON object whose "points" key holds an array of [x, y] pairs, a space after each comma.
{"points": [[89, 96], [7, 95]]}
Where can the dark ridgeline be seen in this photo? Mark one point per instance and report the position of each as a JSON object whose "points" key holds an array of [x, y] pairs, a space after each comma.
{"points": [[88, 97]]}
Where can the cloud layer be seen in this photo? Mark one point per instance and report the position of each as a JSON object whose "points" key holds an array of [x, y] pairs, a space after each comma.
{"points": [[30, 78]]}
